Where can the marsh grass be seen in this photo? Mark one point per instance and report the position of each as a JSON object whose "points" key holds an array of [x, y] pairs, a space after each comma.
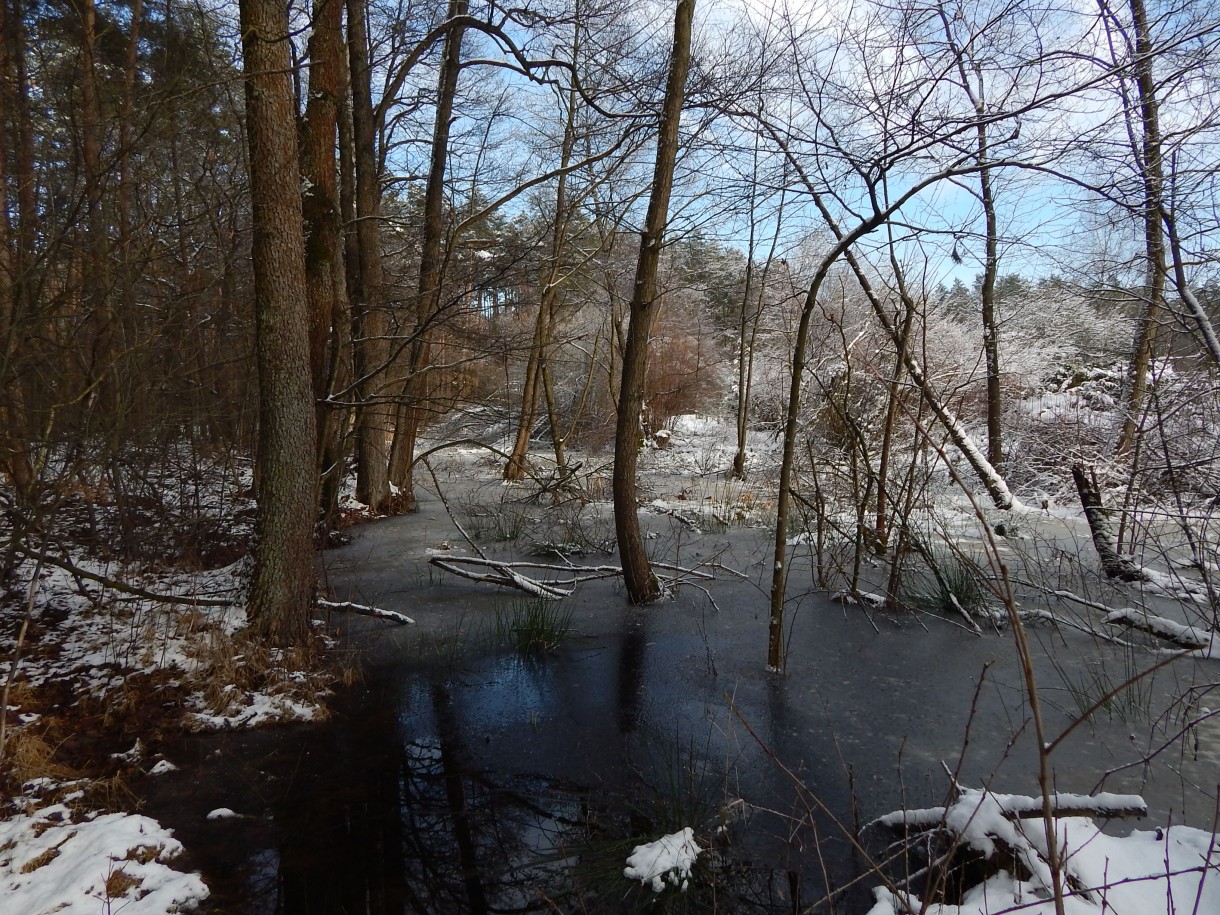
{"points": [[1117, 683], [946, 584], [533, 626]]}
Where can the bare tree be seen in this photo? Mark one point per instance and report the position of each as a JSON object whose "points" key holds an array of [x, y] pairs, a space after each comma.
{"points": [[642, 584]]}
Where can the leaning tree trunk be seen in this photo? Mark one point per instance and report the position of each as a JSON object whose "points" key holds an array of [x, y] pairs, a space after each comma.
{"points": [[1113, 563], [282, 584], [642, 584]]}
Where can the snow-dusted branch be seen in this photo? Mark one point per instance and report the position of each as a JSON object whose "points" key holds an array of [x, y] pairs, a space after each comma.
{"points": [[122, 587], [348, 606], [509, 575], [1016, 807], [1203, 642]]}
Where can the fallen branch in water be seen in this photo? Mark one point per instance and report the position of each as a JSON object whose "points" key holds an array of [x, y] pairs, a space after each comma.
{"points": [[347, 606], [1175, 633], [507, 574]]}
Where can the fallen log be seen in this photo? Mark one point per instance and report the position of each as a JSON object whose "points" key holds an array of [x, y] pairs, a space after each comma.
{"points": [[1171, 631], [1020, 807]]}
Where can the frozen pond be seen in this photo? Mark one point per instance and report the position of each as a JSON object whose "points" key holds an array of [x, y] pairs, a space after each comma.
{"points": [[461, 775]]}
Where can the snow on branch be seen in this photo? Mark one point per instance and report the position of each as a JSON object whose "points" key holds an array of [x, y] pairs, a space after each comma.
{"points": [[1014, 807], [122, 587], [347, 606], [1204, 641], [509, 575]]}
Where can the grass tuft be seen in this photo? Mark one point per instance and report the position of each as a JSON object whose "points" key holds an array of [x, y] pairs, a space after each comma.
{"points": [[534, 626]]}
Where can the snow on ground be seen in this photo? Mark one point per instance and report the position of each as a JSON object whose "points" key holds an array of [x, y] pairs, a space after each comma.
{"points": [[60, 860], [1173, 870], [103, 637], [88, 650]]}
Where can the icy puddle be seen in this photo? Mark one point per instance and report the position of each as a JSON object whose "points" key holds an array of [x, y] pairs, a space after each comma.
{"points": [[465, 775], [461, 779]]}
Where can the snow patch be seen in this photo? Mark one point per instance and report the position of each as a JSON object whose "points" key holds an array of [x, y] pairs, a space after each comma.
{"points": [[670, 858]]}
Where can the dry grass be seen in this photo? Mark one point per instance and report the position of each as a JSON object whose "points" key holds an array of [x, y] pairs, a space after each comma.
{"points": [[28, 755], [144, 854], [120, 882], [41, 861], [232, 665]]}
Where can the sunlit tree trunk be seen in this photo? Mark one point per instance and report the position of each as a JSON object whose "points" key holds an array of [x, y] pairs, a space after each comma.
{"points": [[642, 584], [431, 259], [1153, 179], [370, 347], [282, 584]]}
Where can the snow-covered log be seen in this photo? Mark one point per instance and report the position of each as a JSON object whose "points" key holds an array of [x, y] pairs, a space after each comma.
{"points": [[1180, 634], [1017, 807]]}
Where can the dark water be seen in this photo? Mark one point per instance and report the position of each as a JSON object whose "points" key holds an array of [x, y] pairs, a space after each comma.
{"points": [[463, 776]]}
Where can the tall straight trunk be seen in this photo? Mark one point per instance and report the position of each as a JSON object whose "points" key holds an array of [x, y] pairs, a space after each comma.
{"points": [[370, 346], [95, 292], [431, 258], [126, 257], [642, 584], [991, 335], [1153, 178], [748, 327], [881, 530], [282, 584], [14, 443], [324, 262]]}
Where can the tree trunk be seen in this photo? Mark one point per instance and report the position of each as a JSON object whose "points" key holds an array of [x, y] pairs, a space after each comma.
{"points": [[14, 442], [642, 584], [324, 266], [991, 334], [370, 347], [431, 258], [1095, 512], [281, 588], [1152, 174]]}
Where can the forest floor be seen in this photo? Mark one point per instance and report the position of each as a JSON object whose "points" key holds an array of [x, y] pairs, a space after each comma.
{"points": [[100, 680]]}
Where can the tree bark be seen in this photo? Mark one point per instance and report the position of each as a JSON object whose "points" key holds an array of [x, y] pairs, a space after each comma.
{"points": [[431, 258], [1153, 178], [283, 579], [642, 584], [1095, 512], [324, 264], [370, 347], [15, 457]]}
